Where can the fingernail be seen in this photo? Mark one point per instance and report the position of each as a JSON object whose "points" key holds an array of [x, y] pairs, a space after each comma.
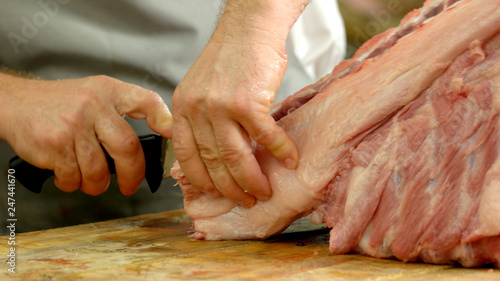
{"points": [[290, 163], [246, 204], [264, 197]]}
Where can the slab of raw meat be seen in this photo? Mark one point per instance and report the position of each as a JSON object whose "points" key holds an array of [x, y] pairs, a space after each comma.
{"points": [[398, 147]]}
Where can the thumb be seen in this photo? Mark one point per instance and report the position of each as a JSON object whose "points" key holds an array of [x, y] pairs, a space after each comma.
{"points": [[139, 103], [160, 121]]}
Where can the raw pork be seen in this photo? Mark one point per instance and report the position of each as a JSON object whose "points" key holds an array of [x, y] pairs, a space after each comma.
{"points": [[399, 147]]}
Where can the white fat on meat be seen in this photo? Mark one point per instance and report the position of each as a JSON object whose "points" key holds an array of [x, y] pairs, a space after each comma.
{"points": [[363, 194]]}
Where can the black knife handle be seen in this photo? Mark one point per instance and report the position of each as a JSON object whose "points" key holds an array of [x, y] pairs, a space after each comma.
{"points": [[33, 178]]}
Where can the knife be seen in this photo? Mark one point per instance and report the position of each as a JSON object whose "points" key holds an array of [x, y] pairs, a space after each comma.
{"points": [[158, 152]]}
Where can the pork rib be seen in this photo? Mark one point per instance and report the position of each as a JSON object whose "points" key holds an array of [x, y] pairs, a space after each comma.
{"points": [[398, 147]]}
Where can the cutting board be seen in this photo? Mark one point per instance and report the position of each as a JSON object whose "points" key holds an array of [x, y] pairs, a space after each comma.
{"points": [[156, 247]]}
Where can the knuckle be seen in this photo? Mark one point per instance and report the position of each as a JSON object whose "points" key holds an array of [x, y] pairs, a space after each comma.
{"points": [[211, 162], [84, 102], [194, 104], [263, 136], [92, 163], [182, 152], [58, 140], [225, 185], [97, 173], [231, 157], [86, 97], [130, 145], [211, 159], [213, 103], [239, 108], [66, 178], [277, 148], [93, 85], [74, 120], [152, 95], [101, 80], [153, 100], [68, 168]]}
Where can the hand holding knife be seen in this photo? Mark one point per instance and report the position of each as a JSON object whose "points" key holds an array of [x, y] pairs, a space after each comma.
{"points": [[158, 153]]}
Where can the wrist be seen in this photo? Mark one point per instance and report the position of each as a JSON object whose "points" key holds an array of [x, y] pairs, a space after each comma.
{"points": [[4, 104], [265, 21], [11, 85]]}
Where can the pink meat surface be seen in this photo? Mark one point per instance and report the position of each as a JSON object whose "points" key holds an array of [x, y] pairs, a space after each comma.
{"points": [[398, 147]]}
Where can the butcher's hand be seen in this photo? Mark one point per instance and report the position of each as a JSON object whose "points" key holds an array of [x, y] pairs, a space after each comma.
{"points": [[59, 125], [222, 104]]}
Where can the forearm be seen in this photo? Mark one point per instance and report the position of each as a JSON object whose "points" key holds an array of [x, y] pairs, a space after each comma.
{"points": [[10, 81], [22, 74], [268, 20], [7, 80]]}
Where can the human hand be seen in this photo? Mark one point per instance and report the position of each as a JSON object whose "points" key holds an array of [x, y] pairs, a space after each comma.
{"points": [[59, 125], [222, 104]]}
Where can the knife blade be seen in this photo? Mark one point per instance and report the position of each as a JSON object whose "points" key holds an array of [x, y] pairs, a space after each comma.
{"points": [[167, 156], [158, 153]]}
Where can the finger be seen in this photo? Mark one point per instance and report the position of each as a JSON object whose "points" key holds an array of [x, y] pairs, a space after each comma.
{"points": [[139, 103], [160, 121], [67, 173], [188, 156], [92, 162], [122, 144], [236, 153], [210, 155], [264, 130]]}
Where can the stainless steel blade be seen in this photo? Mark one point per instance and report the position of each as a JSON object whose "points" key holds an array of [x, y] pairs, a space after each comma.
{"points": [[167, 157]]}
